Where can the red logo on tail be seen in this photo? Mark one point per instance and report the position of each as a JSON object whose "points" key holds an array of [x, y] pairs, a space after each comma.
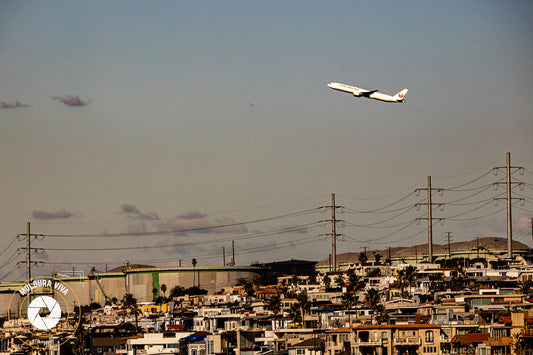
{"points": [[400, 95]]}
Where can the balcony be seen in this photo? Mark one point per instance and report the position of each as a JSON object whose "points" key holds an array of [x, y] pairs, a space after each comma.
{"points": [[407, 341], [361, 342]]}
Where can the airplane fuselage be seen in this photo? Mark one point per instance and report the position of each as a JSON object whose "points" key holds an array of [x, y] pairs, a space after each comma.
{"points": [[371, 94]]}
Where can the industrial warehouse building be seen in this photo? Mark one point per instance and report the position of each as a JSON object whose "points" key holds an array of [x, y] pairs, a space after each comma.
{"points": [[139, 281]]}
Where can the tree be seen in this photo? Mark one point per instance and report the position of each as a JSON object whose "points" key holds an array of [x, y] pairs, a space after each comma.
{"points": [[525, 287], [195, 290], [274, 304], [435, 282], [129, 300], [377, 257], [458, 278], [177, 291], [362, 258], [80, 335], [372, 299], [373, 273], [136, 312], [194, 262], [382, 314], [339, 280], [241, 281], [154, 294], [303, 304], [347, 302], [294, 280], [249, 289], [327, 281], [405, 277], [164, 290], [257, 281], [355, 281]]}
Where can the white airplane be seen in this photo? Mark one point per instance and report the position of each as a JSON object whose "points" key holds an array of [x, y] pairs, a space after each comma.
{"points": [[371, 94]]}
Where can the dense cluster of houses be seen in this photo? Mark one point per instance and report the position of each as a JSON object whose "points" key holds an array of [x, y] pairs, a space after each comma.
{"points": [[363, 310]]}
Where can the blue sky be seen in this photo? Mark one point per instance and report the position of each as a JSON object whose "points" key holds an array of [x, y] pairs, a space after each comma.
{"points": [[222, 109]]}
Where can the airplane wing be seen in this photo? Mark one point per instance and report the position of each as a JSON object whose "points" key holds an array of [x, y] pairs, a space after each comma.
{"points": [[367, 93]]}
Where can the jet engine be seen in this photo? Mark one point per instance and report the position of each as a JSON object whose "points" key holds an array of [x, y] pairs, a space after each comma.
{"points": [[357, 93]]}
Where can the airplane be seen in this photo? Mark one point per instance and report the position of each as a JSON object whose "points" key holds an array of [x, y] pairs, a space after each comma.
{"points": [[371, 94]]}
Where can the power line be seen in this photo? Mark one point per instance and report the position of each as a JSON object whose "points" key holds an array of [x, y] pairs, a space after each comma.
{"points": [[280, 231], [176, 231]]}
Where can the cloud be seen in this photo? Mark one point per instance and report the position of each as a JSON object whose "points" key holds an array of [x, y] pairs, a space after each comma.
{"points": [[17, 104], [134, 212], [198, 220], [70, 100], [62, 214], [137, 228]]}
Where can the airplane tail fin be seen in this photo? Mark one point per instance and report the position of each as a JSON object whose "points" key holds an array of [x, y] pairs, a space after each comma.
{"points": [[400, 96]]}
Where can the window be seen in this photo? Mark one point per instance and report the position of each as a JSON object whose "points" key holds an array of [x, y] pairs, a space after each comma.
{"points": [[429, 336], [384, 335], [300, 351]]}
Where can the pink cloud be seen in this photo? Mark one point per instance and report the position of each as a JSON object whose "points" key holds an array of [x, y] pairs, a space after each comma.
{"points": [[17, 104], [137, 228], [133, 212], [62, 214], [197, 220], [70, 100]]}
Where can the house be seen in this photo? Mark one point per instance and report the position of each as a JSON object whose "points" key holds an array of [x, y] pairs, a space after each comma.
{"points": [[392, 339], [312, 346], [468, 343], [337, 340]]}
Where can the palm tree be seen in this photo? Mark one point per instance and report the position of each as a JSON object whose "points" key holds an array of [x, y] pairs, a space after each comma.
{"points": [[355, 281], [525, 287], [339, 280], [177, 291], [274, 304], [241, 281], [154, 293], [164, 290], [257, 281], [405, 277], [347, 303], [80, 334], [294, 280], [362, 258], [303, 304], [249, 289], [294, 313], [129, 300], [372, 299], [136, 312], [194, 262], [382, 314], [377, 257], [327, 281]]}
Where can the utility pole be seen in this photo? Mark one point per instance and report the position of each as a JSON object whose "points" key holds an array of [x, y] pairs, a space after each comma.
{"points": [[508, 168], [28, 249], [429, 218], [449, 234], [28, 253], [223, 256], [334, 234], [233, 253]]}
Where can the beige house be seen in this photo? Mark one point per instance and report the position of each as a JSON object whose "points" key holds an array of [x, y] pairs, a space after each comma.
{"points": [[406, 339]]}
